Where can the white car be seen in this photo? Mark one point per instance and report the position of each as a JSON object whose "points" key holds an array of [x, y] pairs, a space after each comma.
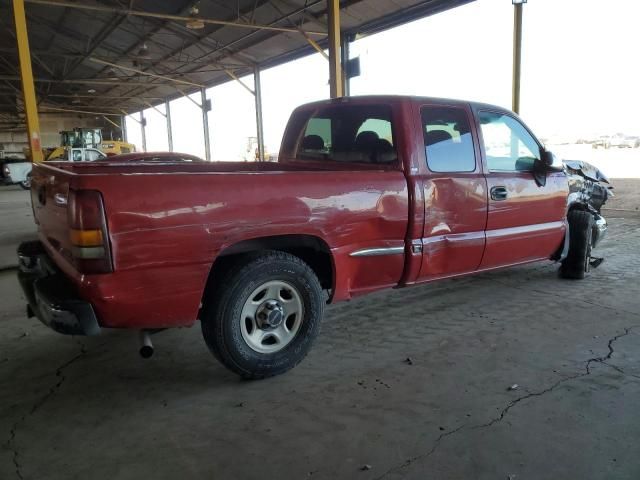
{"points": [[20, 172], [16, 172]]}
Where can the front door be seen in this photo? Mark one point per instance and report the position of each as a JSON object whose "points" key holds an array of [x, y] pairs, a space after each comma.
{"points": [[525, 221], [455, 193]]}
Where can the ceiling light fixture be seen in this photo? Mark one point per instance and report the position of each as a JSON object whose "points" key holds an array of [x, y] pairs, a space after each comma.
{"points": [[144, 51], [195, 23]]}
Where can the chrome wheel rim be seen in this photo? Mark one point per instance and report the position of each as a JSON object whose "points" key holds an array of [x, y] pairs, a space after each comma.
{"points": [[271, 316]]}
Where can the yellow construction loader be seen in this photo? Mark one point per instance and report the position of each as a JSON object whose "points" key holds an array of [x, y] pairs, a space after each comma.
{"points": [[89, 138]]}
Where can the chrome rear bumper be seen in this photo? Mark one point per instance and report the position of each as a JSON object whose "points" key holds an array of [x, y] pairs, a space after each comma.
{"points": [[51, 296]]}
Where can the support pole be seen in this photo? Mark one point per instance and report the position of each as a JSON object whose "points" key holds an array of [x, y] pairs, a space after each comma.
{"points": [[26, 76], [335, 66], [517, 55], [258, 99], [167, 116], [123, 128], [205, 124], [143, 124], [344, 55]]}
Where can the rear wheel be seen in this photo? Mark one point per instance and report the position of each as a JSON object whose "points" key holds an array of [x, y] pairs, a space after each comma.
{"points": [[578, 261], [265, 316]]}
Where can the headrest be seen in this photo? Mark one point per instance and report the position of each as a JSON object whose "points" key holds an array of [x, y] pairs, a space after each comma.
{"points": [[313, 142], [437, 136], [367, 139]]}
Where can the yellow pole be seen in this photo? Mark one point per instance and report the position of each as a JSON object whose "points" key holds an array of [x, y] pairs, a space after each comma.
{"points": [[335, 66], [26, 75], [517, 56]]}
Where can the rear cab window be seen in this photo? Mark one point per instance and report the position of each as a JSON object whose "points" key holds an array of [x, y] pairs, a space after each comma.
{"points": [[359, 134]]}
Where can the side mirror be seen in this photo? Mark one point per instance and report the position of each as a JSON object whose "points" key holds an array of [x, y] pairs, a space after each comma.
{"points": [[547, 158], [550, 162]]}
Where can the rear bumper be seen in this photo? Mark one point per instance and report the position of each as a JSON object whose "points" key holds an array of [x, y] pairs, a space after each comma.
{"points": [[51, 296]]}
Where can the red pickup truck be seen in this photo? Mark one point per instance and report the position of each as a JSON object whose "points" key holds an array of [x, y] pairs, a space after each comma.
{"points": [[368, 193]]}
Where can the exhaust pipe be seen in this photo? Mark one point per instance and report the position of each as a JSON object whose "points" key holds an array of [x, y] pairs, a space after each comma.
{"points": [[146, 347]]}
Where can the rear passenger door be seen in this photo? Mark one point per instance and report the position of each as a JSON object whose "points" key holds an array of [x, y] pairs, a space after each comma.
{"points": [[525, 221], [455, 193]]}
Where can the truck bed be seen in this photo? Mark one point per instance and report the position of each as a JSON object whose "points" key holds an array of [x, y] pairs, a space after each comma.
{"points": [[167, 223]]}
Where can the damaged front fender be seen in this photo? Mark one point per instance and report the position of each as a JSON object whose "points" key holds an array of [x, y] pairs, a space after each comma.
{"points": [[588, 186], [589, 189]]}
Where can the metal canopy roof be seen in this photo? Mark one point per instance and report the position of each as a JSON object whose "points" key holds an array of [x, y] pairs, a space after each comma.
{"points": [[110, 47]]}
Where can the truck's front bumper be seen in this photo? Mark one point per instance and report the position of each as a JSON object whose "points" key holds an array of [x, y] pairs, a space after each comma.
{"points": [[51, 296], [600, 230]]}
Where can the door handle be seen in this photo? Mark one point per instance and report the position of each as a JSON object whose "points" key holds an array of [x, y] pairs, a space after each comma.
{"points": [[498, 193]]}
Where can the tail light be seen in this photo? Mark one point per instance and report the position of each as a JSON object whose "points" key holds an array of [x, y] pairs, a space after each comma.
{"points": [[88, 232]]}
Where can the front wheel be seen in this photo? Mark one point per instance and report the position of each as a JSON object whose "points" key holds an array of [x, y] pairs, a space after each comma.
{"points": [[578, 261], [265, 314]]}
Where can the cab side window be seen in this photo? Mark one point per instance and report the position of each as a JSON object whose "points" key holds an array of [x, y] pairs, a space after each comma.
{"points": [[508, 146], [447, 139]]}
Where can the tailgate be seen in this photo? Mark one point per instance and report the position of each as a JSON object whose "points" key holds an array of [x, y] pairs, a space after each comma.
{"points": [[49, 195]]}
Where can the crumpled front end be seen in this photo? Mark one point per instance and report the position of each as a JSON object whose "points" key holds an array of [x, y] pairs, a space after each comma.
{"points": [[589, 189]]}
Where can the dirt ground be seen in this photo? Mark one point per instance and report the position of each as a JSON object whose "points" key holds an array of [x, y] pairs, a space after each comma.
{"points": [[626, 195], [512, 374]]}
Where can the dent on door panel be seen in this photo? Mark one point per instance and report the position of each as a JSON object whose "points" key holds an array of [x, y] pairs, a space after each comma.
{"points": [[455, 219]]}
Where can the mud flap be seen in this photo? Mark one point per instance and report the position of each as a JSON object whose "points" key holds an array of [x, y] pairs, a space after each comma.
{"points": [[595, 262]]}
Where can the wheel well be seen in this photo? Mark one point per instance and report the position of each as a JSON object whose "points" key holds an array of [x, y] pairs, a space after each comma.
{"points": [[312, 250], [577, 206]]}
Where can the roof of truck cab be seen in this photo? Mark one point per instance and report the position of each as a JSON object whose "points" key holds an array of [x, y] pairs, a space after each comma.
{"points": [[395, 99]]}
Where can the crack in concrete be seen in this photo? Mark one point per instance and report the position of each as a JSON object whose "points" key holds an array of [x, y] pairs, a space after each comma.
{"points": [[409, 461], [36, 406], [513, 403], [587, 366]]}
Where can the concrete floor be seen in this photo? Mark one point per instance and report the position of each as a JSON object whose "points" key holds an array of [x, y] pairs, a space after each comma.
{"points": [[16, 223], [91, 408]]}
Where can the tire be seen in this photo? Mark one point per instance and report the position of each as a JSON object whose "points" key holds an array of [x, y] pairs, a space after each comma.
{"points": [[240, 319], [577, 263], [26, 184]]}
